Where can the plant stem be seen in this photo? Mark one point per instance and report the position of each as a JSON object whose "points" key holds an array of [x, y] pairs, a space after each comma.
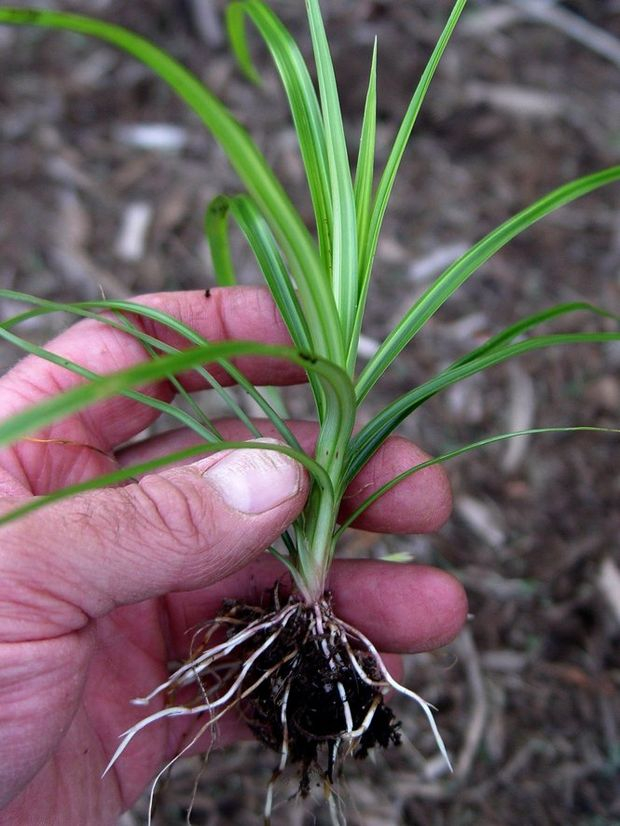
{"points": [[319, 523]]}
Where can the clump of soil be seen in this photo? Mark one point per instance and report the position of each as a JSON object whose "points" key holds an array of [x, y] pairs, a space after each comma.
{"points": [[320, 699]]}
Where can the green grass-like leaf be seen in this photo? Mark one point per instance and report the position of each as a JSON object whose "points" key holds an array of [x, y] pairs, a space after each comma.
{"points": [[456, 275], [85, 310], [264, 246], [244, 157], [530, 322], [388, 177], [303, 102], [336, 383], [365, 168], [344, 236], [364, 444], [132, 472], [453, 454]]}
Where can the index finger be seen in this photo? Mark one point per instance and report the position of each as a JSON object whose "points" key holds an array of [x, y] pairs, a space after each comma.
{"points": [[236, 313]]}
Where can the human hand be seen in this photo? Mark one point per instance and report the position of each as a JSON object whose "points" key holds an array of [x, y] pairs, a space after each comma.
{"points": [[98, 592]]}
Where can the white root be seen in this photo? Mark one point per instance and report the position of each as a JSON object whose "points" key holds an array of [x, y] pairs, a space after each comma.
{"points": [[335, 813], [383, 685], [208, 706], [401, 689], [283, 757], [346, 708], [188, 672], [209, 724], [355, 734]]}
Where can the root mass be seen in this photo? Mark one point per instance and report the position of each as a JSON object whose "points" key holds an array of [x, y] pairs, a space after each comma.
{"points": [[310, 686], [321, 699]]}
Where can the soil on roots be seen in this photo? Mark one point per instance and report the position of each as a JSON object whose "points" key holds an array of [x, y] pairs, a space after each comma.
{"points": [[317, 698]]}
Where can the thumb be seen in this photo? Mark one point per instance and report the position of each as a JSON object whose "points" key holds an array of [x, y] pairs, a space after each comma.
{"points": [[177, 530]]}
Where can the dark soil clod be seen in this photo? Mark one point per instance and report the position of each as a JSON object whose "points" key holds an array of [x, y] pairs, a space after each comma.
{"points": [[312, 702]]}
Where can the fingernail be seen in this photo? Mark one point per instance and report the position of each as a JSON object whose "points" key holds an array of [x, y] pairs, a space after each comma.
{"points": [[255, 481]]}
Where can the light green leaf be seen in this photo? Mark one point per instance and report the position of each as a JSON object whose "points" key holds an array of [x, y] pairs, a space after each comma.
{"points": [[386, 183], [344, 235], [85, 310], [365, 168], [372, 435], [302, 99], [216, 232], [263, 245], [452, 454], [243, 155], [336, 383], [450, 280], [134, 471]]}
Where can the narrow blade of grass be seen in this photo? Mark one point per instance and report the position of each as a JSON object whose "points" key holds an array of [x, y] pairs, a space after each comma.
{"points": [[452, 278], [386, 183], [205, 432], [264, 246], [265, 249], [302, 99], [372, 435], [528, 323], [195, 410], [216, 233], [84, 310], [242, 153], [344, 235], [134, 471], [452, 454], [336, 384], [365, 167]]}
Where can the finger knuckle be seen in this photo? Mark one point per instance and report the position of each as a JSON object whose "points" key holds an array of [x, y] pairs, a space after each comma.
{"points": [[174, 513]]}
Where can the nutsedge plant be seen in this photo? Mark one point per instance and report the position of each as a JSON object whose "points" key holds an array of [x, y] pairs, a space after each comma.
{"points": [[319, 278]]}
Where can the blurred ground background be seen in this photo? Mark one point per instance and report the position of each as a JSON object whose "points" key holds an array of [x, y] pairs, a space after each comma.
{"points": [[103, 180]]}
